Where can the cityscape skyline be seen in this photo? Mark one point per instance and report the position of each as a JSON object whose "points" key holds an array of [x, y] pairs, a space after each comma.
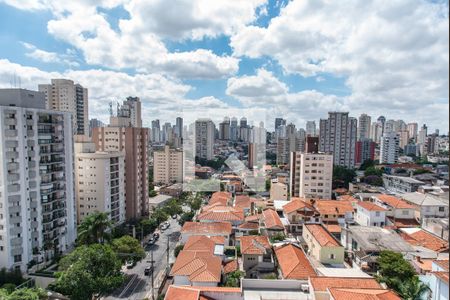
{"points": [[206, 62]]}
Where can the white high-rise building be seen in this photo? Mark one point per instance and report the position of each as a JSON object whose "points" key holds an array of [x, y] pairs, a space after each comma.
{"points": [[389, 148], [167, 165], [338, 137], [422, 136], [389, 126], [37, 207], [376, 132], [311, 175], [99, 181], [364, 127], [65, 95], [311, 128], [204, 138]]}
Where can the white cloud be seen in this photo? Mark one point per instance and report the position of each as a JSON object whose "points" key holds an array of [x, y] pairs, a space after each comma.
{"points": [[50, 57]]}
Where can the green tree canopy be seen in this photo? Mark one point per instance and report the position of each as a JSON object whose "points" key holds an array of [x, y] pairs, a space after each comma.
{"points": [[173, 208], [186, 217], [88, 270], [234, 279], [394, 269], [373, 171], [342, 176], [95, 228], [413, 289], [159, 215], [128, 248], [366, 164], [23, 294]]}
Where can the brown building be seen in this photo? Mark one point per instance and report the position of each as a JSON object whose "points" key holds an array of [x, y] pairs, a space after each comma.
{"points": [[312, 144], [134, 142]]}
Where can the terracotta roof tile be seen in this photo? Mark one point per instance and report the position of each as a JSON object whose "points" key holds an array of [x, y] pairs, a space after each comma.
{"points": [[293, 262], [297, 204], [323, 237], [199, 243], [333, 207], [394, 201], [230, 266], [207, 228], [198, 266], [442, 263], [333, 228], [221, 197], [425, 239], [222, 214], [323, 283], [442, 275], [254, 244], [272, 220], [249, 225], [363, 294], [181, 292], [253, 218], [370, 206], [403, 223], [242, 201]]}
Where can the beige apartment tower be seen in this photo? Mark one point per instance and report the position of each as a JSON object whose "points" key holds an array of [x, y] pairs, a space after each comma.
{"points": [[99, 182], [134, 142], [167, 166], [311, 175]]}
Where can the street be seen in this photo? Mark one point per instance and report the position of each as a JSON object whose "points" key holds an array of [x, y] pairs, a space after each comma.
{"points": [[138, 286]]}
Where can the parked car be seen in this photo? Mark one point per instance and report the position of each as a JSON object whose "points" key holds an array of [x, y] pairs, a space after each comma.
{"points": [[130, 264], [151, 241], [148, 270], [174, 216], [167, 223], [156, 236]]}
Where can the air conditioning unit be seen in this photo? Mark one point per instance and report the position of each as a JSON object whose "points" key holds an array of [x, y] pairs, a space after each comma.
{"points": [[305, 288]]}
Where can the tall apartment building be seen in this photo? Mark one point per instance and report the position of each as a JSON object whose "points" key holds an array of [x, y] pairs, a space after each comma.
{"points": [[293, 140], [365, 150], [279, 122], [338, 137], [224, 129], [37, 207], [65, 95], [376, 132], [382, 122], [389, 126], [167, 165], [94, 123], [99, 181], [134, 142], [364, 127], [389, 148], [234, 129], [311, 128], [156, 131], [403, 136], [311, 175], [204, 138], [412, 129], [422, 136], [179, 127]]}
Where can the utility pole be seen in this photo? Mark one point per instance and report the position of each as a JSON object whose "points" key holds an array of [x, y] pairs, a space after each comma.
{"points": [[151, 261], [168, 238]]}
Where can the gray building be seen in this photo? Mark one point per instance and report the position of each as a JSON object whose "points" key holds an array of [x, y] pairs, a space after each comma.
{"points": [[401, 184]]}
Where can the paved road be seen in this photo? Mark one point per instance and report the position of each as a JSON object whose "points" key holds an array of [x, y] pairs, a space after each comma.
{"points": [[138, 286]]}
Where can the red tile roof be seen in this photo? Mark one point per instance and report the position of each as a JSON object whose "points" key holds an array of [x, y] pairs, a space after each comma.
{"points": [[181, 292], [230, 266], [253, 218], [220, 197], [333, 228], [272, 220], [323, 283], [442, 275], [249, 225], [199, 243], [207, 228], [333, 207], [322, 236], [293, 263], [394, 202], [222, 214], [370, 206], [425, 239], [297, 204], [254, 244], [443, 264], [199, 266], [403, 223], [242, 202], [363, 294]]}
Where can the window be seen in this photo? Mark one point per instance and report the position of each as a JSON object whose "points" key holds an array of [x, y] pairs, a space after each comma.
{"points": [[332, 256], [441, 208], [405, 212], [377, 213]]}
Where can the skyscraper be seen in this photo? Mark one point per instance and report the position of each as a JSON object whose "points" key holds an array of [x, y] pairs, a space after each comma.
{"points": [[279, 122], [412, 129], [365, 150], [65, 95], [94, 123], [311, 128], [167, 165], [389, 148], [364, 127], [381, 121], [224, 129], [204, 138], [37, 198], [179, 127], [338, 137], [131, 109], [243, 130], [156, 131], [234, 129]]}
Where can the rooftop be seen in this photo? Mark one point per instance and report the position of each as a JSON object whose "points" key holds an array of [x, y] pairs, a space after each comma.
{"points": [[370, 206], [202, 228], [394, 202], [421, 199], [363, 294], [296, 204], [159, 199], [199, 266], [322, 236], [272, 220], [221, 214], [324, 283], [371, 238], [293, 262], [420, 237], [254, 244], [333, 207], [404, 179]]}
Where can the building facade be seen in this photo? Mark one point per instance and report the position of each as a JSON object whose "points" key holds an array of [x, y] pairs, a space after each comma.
{"points": [[204, 139], [37, 207], [389, 148], [365, 150], [167, 166], [364, 127]]}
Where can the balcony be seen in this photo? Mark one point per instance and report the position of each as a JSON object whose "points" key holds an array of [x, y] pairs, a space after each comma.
{"points": [[10, 132], [13, 188], [31, 164], [13, 177], [16, 241], [11, 144], [30, 133], [12, 166], [14, 198], [11, 155]]}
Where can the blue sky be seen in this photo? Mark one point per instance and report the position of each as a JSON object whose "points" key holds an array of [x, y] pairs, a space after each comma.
{"points": [[297, 59]]}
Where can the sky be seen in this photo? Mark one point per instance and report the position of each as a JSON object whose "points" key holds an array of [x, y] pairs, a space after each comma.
{"points": [[261, 59]]}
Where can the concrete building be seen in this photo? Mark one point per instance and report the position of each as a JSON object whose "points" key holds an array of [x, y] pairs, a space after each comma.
{"points": [[365, 150], [278, 191], [99, 182], [224, 129], [375, 132], [131, 110], [338, 137], [311, 128], [412, 130], [389, 148], [204, 138], [401, 184], [65, 95], [279, 122], [37, 207], [311, 175], [293, 140], [94, 123], [134, 142], [156, 131], [167, 165], [364, 124], [403, 137], [370, 214]]}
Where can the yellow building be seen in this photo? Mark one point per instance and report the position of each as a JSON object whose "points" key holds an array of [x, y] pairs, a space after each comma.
{"points": [[322, 246]]}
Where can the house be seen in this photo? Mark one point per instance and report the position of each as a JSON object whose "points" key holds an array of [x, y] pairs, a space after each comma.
{"points": [[244, 203], [427, 205], [436, 226], [174, 190], [223, 198], [218, 213], [202, 293], [422, 238], [199, 263], [322, 246], [293, 263], [364, 243], [399, 213], [271, 223], [335, 211], [320, 285], [401, 184], [256, 254], [370, 214], [437, 280], [207, 229], [299, 212], [358, 293]]}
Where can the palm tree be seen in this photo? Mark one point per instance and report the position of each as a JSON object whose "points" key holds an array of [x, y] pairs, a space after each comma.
{"points": [[95, 228], [413, 289]]}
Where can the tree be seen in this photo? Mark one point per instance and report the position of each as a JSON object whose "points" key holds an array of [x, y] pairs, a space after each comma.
{"points": [[128, 248], [373, 171], [13, 276], [413, 289], [342, 176], [95, 228], [159, 215], [149, 225], [186, 217], [277, 237], [366, 164], [88, 270], [177, 250], [373, 180], [23, 294], [173, 208], [234, 279], [394, 269], [152, 193], [268, 184]]}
